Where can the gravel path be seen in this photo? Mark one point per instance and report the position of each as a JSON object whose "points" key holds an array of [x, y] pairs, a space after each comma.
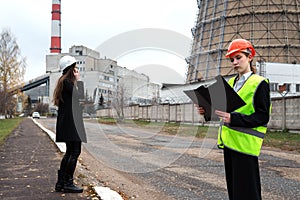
{"points": [[171, 167]]}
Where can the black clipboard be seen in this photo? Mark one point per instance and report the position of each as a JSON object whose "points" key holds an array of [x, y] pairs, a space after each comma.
{"points": [[216, 96]]}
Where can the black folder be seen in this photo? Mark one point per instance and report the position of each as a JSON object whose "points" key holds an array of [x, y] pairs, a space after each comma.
{"points": [[216, 96]]}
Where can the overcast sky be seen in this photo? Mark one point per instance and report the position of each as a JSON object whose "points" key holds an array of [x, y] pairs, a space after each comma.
{"points": [[91, 23]]}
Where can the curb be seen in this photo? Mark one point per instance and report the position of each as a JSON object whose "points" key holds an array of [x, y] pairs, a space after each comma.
{"points": [[104, 193], [60, 145]]}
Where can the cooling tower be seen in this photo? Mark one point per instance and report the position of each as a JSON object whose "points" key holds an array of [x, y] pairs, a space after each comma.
{"points": [[271, 25]]}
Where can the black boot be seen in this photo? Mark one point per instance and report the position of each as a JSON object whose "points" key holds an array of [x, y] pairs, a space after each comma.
{"points": [[59, 186], [69, 186]]}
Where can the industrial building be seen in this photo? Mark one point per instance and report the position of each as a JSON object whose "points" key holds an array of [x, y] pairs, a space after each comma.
{"points": [[271, 26], [103, 78], [284, 78], [279, 75]]}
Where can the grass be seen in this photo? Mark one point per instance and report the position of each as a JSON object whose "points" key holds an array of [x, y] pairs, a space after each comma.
{"points": [[169, 128], [7, 126], [277, 139], [283, 140], [106, 120]]}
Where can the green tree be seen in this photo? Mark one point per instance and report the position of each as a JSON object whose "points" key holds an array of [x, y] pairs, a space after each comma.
{"points": [[12, 69]]}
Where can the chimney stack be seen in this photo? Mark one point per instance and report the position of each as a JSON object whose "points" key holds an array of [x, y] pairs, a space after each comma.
{"points": [[55, 29]]}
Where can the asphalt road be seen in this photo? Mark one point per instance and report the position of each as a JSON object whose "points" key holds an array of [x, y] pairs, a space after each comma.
{"points": [[183, 167]]}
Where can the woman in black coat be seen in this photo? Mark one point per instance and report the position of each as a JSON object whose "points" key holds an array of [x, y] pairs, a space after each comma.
{"points": [[69, 124]]}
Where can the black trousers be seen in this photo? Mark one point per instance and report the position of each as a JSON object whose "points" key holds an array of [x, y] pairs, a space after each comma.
{"points": [[242, 176], [69, 161]]}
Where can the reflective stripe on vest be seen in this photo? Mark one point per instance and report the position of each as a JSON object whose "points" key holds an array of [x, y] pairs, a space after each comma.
{"points": [[242, 139]]}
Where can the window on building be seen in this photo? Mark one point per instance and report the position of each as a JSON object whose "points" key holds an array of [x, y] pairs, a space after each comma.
{"points": [[102, 91], [273, 87], [111, 72], [79, 52], [288, 87], [297, 87]]}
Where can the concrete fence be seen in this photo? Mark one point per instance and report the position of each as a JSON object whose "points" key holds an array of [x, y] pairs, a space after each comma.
{"points": [[185, 113], [285, 113]]}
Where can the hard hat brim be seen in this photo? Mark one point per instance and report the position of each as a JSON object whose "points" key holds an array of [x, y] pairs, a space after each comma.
{"points": [[67, 68], [238, 50], [231, 52]]}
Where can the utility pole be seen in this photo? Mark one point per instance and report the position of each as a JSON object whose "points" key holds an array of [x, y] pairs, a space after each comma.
{"points": [[282, 89]]}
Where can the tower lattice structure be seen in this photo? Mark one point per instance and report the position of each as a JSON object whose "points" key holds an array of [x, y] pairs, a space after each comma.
{"points": [[272, 26]]}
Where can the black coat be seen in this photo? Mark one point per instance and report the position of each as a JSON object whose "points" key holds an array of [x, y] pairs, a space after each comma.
{"points": [[69, 124], [261, 116]]}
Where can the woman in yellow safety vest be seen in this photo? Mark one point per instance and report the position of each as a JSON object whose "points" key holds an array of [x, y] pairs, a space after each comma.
{"points": [[242, 131]]}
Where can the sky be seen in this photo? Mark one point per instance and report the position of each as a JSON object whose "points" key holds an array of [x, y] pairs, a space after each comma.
{"points": [[91, 23]]}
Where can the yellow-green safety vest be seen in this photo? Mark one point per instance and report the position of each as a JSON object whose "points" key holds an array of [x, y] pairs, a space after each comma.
{"points": [[242, 139]]}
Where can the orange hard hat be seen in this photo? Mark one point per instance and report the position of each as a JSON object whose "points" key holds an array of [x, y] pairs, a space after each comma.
{"points": [[240, 45]]}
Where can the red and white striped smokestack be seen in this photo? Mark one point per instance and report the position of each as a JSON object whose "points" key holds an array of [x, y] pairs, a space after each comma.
{"points": [[55, 29]]}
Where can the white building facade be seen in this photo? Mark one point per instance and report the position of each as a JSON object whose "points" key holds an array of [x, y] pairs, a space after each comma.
{"points": [[104, 77], [281, 75]]}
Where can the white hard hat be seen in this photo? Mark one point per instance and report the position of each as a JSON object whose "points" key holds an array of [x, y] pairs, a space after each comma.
{"points": [[66, 61]]}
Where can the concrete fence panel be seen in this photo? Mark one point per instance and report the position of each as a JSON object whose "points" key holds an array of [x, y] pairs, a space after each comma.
{"points": [[285, 113]]}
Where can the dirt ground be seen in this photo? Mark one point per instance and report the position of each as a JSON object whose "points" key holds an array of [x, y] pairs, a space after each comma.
{"points": [[276, 164], [92, 172]]}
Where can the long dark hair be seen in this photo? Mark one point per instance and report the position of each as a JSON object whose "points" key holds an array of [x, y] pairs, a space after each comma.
{"points": [[69, 75]]}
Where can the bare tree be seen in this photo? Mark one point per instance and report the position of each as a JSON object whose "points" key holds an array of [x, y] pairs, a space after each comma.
{"points": [[12, 69], [118, 102], [42, 108]]}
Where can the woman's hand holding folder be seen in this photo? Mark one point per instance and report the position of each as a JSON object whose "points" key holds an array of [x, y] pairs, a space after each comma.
{"points": [[224, 116]]}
